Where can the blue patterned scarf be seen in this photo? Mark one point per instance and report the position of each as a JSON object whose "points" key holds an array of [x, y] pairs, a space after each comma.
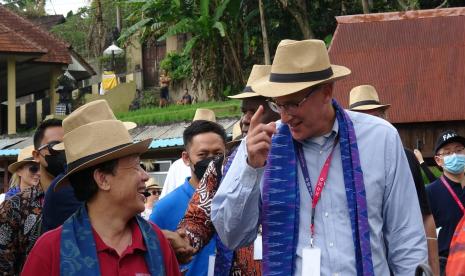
{"points": [[224, 256], [78, 252], [280, 208]]}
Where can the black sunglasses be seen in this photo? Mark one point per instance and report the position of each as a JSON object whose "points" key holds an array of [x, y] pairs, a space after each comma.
{"points": [[50, 146], [33, 168], [154, 192]]}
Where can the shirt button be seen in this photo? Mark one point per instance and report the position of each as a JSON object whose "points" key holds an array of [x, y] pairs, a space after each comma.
{"points": [[336, 274], [326, 214], [331, 244], [321, 152]]}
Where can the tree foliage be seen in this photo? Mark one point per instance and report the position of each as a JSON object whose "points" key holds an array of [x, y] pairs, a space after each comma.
{"points": [[27, 8]]}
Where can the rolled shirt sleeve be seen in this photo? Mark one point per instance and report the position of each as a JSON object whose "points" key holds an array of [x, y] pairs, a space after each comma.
{"points": [[236, 205]]}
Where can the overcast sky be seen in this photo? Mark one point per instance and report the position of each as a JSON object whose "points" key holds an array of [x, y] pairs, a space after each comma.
{"points": [[64, 6]]}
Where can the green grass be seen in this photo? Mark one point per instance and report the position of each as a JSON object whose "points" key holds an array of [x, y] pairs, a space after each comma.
{"points": [[179, 113]]}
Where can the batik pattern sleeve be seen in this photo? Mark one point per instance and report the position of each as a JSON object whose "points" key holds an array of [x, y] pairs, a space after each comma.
{"points": [[197, 223], [236, 205], [403, 229], [10, 219]]}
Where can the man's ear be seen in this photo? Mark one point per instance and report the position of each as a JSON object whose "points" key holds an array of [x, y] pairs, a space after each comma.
{"points": [[438, 160], [185, 158], [101, 180], [328, 92], [36, 155]]}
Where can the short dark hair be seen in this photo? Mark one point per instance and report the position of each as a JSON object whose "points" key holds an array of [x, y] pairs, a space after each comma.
{"points": [[40, 130], [202, 126], [83, 182]]}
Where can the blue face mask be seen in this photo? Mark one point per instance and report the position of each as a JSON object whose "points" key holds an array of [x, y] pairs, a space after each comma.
{"points": [[454, 163]]}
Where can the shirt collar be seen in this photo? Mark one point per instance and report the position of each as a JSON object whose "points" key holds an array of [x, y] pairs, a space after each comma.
{"points": [[321, 140], [137, 240]]}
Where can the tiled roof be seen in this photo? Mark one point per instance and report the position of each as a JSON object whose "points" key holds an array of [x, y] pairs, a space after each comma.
{"points": [[415, 60], [163, 136], [57, 50], [47, 22], [13, 42]]}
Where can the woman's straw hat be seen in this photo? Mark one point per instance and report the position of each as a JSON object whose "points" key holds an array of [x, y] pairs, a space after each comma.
{"points": [[204, 114], [364, 97], [24, 157], [258, 72], [93, 135], [298, 65]]}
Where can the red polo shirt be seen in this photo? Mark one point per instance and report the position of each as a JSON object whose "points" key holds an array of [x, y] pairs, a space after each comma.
{"points": [[44, 258]]}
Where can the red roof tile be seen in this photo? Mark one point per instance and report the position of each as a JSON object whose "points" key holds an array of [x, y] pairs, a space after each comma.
{"points": [[57, 50], [415, 59], [13, 42]]}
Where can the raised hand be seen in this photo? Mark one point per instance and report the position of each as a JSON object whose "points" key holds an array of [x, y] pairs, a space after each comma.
{"points": [[181, 246], [259, 139]]}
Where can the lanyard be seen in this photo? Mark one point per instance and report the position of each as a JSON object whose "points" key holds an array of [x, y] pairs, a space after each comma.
{"points": [[452, 193], [319, 185]]}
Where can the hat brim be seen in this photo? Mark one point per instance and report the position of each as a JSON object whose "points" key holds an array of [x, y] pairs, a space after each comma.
{"points": [[233, 143], [369, 107], [266, 88], [458, 139], [12, 168], [153, 186], [244, 95], [118, 152], [127, 125]]}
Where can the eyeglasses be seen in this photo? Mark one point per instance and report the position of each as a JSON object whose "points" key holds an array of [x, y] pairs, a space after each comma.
{"points": [[457, 150], [33, 168], [50, 146], [289, 107]]}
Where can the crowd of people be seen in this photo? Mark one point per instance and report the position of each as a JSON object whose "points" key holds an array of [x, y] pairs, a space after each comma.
{"points": [[305, 188]]}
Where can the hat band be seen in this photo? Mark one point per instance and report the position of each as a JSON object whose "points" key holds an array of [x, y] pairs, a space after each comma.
{"points": [[367, 102], [248, 89], [80, 161], [302, 77]]}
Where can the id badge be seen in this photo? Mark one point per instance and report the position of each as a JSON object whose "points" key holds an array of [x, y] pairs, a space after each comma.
{"points": [[257, 248], [311, 261], [211, 265]]}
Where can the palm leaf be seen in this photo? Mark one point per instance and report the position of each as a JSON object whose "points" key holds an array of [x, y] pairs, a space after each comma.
{"points": [[204, 5], [183, 26], [190, 45], [220, 10], [220, 27], [133, 29]]}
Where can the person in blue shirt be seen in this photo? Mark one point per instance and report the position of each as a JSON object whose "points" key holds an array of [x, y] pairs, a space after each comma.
{"points": [[203, 140]]}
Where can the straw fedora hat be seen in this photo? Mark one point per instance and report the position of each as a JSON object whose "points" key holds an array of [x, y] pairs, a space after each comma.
{"points": [[93, 135], [364, 97], [204, 114], [236, 136], [24, 157], [298, 65], [258, 72], [237, 131], [152, 184]]}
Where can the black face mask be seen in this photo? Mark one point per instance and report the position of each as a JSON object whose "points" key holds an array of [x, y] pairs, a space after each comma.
{"points": [[201, 166], [56, 163]]}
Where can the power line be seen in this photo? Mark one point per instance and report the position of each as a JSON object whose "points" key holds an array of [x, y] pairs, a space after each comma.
{"points": [[53, 7]]}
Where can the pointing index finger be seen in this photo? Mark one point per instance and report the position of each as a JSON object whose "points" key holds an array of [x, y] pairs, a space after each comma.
{"points": [[256, 118]]}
